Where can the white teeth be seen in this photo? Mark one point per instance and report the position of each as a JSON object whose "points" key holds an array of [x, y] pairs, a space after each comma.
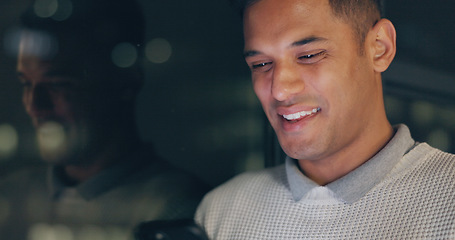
{"points": [[298, 115]]}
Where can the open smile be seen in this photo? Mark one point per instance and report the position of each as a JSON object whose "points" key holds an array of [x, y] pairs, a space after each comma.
{"points": [[300, 115]]}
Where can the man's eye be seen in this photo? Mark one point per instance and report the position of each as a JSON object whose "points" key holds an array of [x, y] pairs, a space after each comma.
{"points": [[312, 58], [25, 84], [263, 66]]}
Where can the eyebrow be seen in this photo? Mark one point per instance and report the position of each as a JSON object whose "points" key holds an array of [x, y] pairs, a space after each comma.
{"points": [[305, 41], [51, 73]]}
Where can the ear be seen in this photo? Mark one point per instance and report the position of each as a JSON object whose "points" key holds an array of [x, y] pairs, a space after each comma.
{"points": [[382, 39]]}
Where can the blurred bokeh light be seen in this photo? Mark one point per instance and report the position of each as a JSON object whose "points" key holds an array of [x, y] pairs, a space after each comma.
{"points": [[158, 50], [8, 140], [56, 9], [124, 55], [51, 138]]}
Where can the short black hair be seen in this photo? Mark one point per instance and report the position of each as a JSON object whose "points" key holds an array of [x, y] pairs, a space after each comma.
{"points": [[360, 14]]}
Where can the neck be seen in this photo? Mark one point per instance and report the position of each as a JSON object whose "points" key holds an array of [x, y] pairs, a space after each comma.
{"points": [[111, 154], [328, 170]]}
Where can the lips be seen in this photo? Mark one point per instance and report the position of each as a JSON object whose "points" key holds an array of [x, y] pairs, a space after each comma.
{"points": [[301, 114]]}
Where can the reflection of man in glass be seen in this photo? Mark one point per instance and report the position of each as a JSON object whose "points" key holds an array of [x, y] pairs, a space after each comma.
{"points": [[73, 92], [79, 90]]}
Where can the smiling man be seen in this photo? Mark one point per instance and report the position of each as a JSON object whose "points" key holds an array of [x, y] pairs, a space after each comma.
{"points": [[316, 68]]}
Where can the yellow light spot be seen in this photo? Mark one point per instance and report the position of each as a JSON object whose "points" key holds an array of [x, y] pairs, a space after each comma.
{"points": [[50, 232], [158, 50], [56, 9], [51, 137], [45, 8], [8, 140]]}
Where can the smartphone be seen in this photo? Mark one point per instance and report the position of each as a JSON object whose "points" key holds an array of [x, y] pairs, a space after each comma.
{"points": [[183, 229]]}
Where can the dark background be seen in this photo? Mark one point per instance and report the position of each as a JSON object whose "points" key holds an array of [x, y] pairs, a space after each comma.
{"points": [[199, 109]]}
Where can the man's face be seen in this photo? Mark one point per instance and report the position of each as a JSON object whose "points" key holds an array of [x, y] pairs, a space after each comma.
{"points": [[69, 113], [307, 71]]}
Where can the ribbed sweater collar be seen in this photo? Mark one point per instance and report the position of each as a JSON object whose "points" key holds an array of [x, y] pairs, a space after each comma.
{"points": [[358, 182]]}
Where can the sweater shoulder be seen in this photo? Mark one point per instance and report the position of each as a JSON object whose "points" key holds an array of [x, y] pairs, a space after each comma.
{"points": [[424, 167], [430, 158]]}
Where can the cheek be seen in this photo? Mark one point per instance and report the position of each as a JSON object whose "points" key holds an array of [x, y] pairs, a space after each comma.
{"points": [[25, 98], [344, 98], [262, 88], [339, 81], [64, 105]]}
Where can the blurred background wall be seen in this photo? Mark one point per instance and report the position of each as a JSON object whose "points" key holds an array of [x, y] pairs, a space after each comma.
{"points": [[198, 106]]}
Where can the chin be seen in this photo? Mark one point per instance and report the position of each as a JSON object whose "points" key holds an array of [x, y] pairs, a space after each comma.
{"points": [[301, 151]]}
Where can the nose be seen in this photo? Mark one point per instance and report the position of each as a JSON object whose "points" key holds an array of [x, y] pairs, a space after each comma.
{"points": [[37, 100], [286, 81]]}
